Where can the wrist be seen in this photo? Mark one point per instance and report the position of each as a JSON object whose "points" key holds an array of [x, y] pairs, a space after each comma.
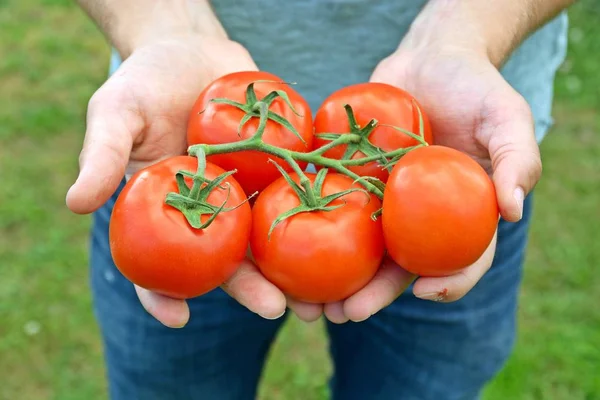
{"points": [[136, 23], [490, 29], [445, 25]]}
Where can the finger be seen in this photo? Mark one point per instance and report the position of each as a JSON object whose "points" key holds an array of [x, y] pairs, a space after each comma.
{"points": [[335, 312], [112, 126], [389, 283], [173, 313], [307, 312], [454, 287], [252, 290], [507, 131]]}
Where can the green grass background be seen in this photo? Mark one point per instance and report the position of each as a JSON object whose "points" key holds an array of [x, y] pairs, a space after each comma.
{"points": [[52, 59]]}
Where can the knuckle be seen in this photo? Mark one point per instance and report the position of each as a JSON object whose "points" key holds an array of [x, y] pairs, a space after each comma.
{"points": [[97, 99], [536, 169], [235, 283], [81, 158], [521, 106], [464, 283], [391, 278], [239, 48]]}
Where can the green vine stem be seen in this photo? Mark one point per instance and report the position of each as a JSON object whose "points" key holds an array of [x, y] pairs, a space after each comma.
{"points": [[192, 202], [314, 157], [291, 157]]}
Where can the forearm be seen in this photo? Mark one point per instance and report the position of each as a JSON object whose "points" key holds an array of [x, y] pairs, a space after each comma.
{"points": [[129, 24], [494, 28]]}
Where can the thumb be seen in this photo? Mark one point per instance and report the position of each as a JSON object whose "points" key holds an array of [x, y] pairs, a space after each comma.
{"points": [[112, 125], [509, 135]]}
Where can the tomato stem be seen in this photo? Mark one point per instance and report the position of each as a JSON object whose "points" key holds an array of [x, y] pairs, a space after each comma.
{"points": [[290, 157], [357, 140], [255, 108], [198, 179], [343, 139], [362, 144], [193, 203], [311, 198]]}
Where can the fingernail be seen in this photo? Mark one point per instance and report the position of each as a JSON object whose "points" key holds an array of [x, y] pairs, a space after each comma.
{"points": [[433, 296], [364, 319], [519, 196], [172, 325], [273, 318]]}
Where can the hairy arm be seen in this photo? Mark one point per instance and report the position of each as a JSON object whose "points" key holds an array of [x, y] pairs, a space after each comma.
{"points": [[129, 24], [495, 28]]}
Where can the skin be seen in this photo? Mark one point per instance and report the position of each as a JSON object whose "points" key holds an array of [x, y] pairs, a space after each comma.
{"points": [[139, 117], [219, 123], [320, 256], [443, 196], [451, 57], [132, 115], [387, 104], [153, 244]]}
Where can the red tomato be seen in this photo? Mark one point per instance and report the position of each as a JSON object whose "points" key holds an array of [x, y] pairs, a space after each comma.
{"points": [[154, 246], [440, 211], [387, 104], [319, 256], [219, 124]]}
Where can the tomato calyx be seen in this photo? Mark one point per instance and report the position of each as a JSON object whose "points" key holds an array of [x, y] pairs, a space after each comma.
{"points": [[255, 108], [419, 137], [369, 150], [310, 196], [192, 202], [362, 145]]}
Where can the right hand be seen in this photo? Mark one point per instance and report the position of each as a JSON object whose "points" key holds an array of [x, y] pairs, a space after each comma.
{"points": [[139, 117]]}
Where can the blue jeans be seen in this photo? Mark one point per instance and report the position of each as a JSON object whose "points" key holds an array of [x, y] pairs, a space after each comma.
{"points": [[413, 349]]}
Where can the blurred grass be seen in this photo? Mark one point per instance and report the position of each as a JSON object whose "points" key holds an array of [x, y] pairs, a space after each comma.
{"points": [[52, 59]]}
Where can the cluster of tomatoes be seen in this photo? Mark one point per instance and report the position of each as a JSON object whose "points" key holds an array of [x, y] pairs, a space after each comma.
{"points": [[438, 212]]}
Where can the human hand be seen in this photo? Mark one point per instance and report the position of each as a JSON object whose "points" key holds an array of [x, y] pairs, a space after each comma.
{"points": [[472, 109], [139, 117]]}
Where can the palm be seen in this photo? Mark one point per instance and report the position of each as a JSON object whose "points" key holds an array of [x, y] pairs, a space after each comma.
{"points": [[472, 109], [461, 96], [139, 115], [159, 84]]}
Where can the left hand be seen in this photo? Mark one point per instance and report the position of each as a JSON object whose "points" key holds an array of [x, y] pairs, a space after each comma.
{"points": [[472, 109], [449, 61]]}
